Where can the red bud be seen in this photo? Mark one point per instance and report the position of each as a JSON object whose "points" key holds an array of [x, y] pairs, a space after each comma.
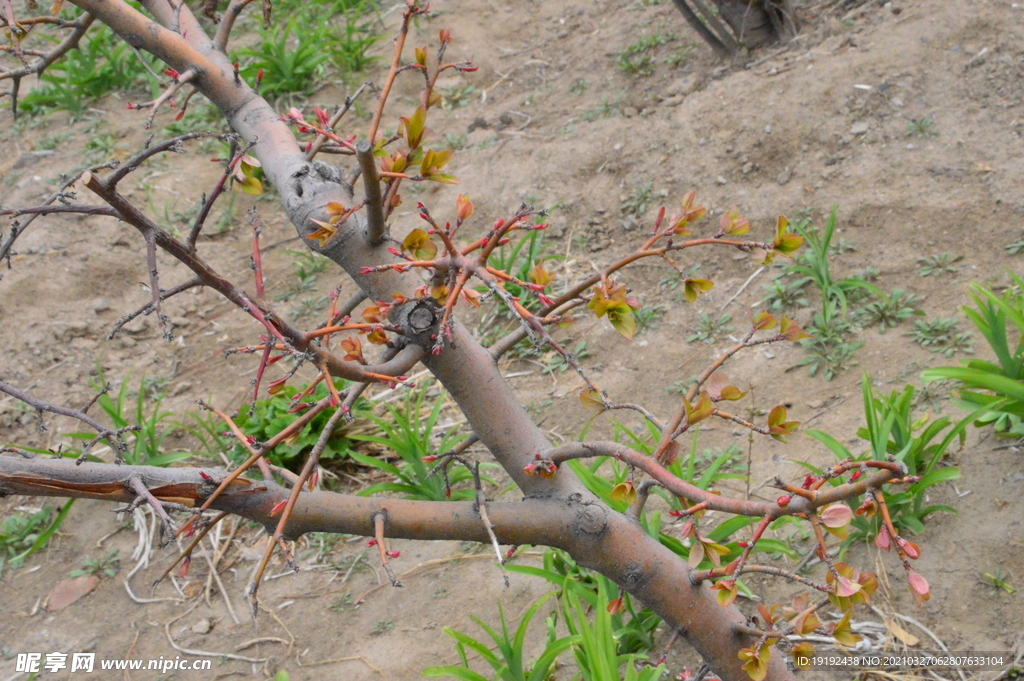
{"points": [[784, 500]]}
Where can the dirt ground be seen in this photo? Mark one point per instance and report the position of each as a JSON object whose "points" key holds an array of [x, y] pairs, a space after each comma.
{"points": [[554, 121]]}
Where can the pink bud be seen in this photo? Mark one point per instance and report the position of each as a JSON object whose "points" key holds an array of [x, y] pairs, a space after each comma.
{"points": [[918, 584], [784, 500]]}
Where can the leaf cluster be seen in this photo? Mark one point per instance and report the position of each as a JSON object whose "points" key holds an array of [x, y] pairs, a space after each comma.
{"points": [[995, 387]]}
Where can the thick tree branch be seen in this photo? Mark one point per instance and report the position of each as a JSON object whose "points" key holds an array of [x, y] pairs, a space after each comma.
{"points": [[595, 536]]}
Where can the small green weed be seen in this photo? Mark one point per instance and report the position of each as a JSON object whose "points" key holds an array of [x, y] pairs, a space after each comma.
{"points": [[638, 201], [636, 64], [452, 142], [457, 96], [101, 146], [936, 265], [890, 311], [679, 56], [1015, 248], [943, 336], [555, 363], [830, 359], [381, 627], [605, 109], [579, 86], [637, 59], [710, 329], [145, 445], [109, 565], [785, 294], [305, 267], [648, 318], [341, 603], [310, 306], [921, 127]]}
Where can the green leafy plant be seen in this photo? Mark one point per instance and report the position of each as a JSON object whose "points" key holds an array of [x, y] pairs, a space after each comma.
{"points": [[349, 48], [640, 198], [597, 652], [555, 363], [921, 127], [457, 96], [710, 329], [103, 64], [996, 387], [632, 631], [637, 60], [815, 264], [829, 358], [270, 416], [109, 565], [411, 436], [579, 86], [889, 311], [507, 659], [648, 317], [641, 64], [23, 534], [939, 264], [679, 56], [305, 267], [606, 109], [920, 443], [1016, 247], [830, 350], [785, 294], [381, 627], [942, 336], [145, 444], [292, 58]]}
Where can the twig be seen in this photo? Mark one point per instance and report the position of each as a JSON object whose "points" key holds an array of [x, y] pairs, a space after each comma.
{"points": [[744, 287], [378, 529], [376, 227]]}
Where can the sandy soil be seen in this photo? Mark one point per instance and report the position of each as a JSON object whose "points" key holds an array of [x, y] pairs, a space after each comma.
{"points": [[552, 120]]}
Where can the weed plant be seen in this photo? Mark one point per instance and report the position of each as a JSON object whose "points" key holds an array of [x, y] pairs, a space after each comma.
{"points": [[103, 64], [995, 387], [920, 443], [267, 417], [411, 437]]}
